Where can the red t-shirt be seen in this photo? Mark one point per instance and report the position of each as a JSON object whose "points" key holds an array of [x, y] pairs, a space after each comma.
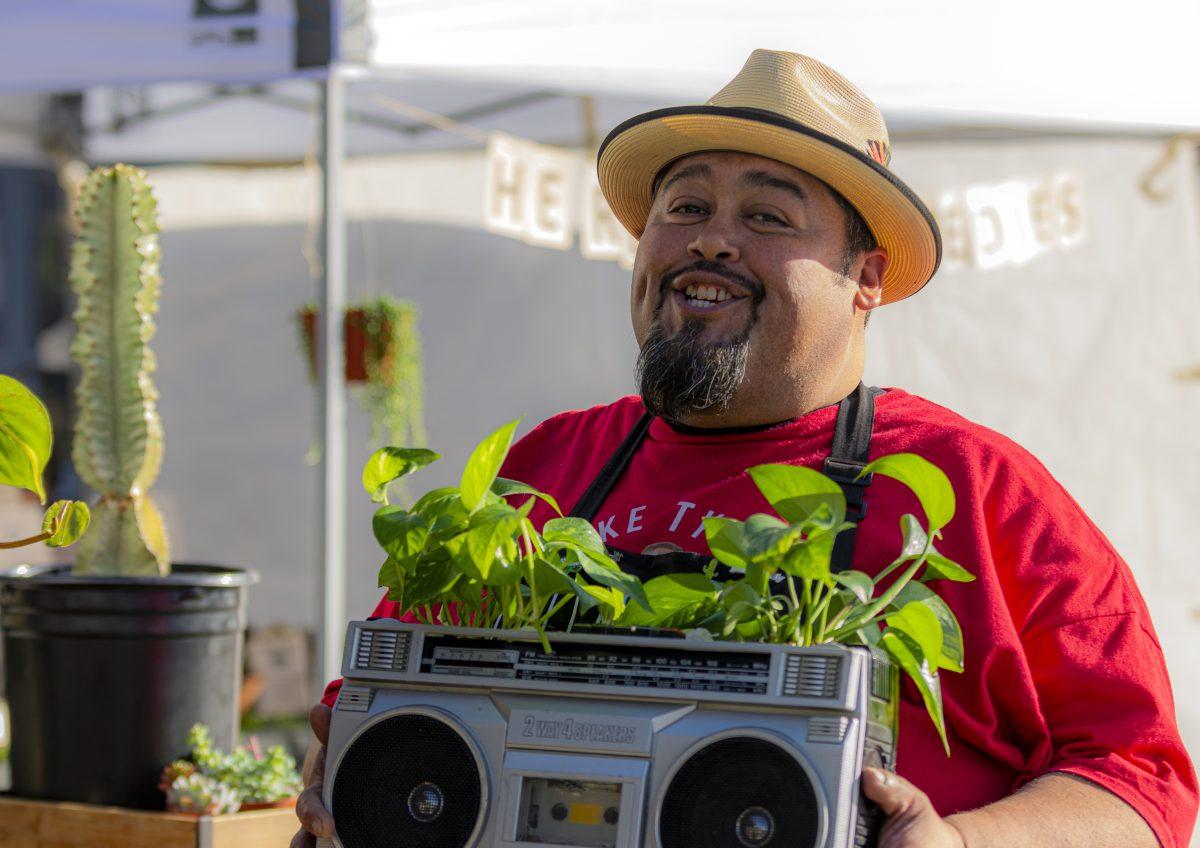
{"points": [[1063, 668]]}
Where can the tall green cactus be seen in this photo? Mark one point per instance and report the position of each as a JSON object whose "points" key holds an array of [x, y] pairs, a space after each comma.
{"points": [[118, 434]]}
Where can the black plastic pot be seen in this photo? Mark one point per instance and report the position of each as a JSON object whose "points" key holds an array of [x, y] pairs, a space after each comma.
{"points": [[105, 676]]}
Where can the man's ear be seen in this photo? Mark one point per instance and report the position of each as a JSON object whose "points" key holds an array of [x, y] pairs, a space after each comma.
{"points": [[870, 280]]}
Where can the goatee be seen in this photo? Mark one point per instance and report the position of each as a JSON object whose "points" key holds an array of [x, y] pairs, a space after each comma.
{"points": [[680, 376]]}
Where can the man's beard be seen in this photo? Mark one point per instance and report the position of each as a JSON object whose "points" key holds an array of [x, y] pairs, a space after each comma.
{"points": [[680, 376]]}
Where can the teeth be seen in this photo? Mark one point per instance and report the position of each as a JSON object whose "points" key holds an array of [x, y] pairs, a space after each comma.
{"points": [[706, 294]]}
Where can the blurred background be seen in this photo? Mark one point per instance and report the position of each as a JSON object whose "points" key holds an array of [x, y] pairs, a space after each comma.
{"points": [[1055, 143]]}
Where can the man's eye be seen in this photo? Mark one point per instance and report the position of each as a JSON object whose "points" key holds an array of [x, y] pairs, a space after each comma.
{"points": [[688, 209], [768, 218]]}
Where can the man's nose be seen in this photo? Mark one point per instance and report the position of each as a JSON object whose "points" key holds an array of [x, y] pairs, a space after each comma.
{"points": [[715, 239]]}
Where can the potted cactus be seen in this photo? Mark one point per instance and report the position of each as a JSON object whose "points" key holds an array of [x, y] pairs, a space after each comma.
{"points": [[111, 661]]}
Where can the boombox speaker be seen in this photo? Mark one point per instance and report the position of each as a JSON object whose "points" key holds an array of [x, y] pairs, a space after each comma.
{"points": [[468, 738]]}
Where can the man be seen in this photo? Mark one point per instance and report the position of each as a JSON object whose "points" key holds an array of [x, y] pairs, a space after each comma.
{"points": [[770, 227]]}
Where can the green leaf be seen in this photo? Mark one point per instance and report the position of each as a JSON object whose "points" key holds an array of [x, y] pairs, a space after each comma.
{"points": [[797, 493], [600, 569], [765, 537], [575, 531], [25, 437], [920, 624], [914, 535], [401, 534], [952, 643], [504, 487], [810, 559], [869, 635], [676, 600], [928, 482], [446, 518], [549, 577], [391, 575], [906, 653], [490, 527], [739, 592], [389, 464], [860, 584], [610, 600], [434, 499], [429, 582], [67, 521], [938, 567], [483, 465], [725, 540]]}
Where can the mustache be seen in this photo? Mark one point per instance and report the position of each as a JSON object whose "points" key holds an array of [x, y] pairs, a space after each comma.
{"points": [[707, 266]]}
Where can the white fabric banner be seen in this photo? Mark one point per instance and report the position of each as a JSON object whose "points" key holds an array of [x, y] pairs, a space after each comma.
{"points": [[66, 45]]}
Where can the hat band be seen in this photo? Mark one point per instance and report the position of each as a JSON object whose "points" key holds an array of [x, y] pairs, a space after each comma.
{"points": [[765, 116]]}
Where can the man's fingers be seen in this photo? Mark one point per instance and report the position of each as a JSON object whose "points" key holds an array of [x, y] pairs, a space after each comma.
{"points": [[303, 839], [312, 813], [319, 717], [893, 793]]}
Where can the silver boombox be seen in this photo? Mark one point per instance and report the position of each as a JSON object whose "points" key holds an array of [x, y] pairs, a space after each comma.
{"points": [[467, 738]]}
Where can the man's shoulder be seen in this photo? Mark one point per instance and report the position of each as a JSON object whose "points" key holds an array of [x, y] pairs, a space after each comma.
{"points": [[616, 417], [923, 426], [594, 431]]}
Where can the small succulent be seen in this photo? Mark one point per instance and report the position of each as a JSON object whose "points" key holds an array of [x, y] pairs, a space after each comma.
{"points": [[174, 771], [255, 777], [194, 792]]}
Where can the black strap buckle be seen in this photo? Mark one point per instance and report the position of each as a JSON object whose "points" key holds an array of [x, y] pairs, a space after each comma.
{"points": [[845, 474]]}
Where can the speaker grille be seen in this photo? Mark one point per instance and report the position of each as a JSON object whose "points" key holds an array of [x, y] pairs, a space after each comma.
{"points": [[720, 784], [391, 764]]}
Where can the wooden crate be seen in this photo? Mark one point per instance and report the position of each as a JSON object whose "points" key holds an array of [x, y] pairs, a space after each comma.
{"points": [[51, 824]]}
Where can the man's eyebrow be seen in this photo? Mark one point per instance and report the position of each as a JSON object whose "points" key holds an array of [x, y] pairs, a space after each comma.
{"points": [[699, 169], [761, 179]]}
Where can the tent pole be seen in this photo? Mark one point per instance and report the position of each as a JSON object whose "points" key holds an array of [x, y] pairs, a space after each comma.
{"points": [[332, 299]]}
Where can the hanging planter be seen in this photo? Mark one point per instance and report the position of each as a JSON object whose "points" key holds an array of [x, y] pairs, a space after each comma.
{"points": [[382, 363]]}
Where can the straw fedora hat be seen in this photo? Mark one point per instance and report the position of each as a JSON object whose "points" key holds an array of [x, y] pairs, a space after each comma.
{"points": [[796, 110]]}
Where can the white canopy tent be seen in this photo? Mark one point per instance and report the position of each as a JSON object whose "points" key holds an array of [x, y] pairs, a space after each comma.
{"points": [[936, 68]]}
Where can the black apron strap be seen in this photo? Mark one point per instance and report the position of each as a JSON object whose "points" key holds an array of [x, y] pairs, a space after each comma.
{"points": [[847, 458], [589, 503]]}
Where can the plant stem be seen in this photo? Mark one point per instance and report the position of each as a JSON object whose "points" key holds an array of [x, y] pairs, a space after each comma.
{"points": [[822, 611], [32, 540], [566, 599], [795, 608], [891, 567], [880, 604], [537, 608], [808, 610]]}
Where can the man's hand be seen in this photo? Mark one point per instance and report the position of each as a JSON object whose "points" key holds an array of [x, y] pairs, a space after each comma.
{"points": [[310, 808], [911, 820]]}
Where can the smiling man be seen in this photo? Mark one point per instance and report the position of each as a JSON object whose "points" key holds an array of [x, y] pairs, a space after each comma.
{"points": [[770, 227]]}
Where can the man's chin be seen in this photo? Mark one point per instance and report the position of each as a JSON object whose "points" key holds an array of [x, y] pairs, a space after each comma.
{"points": [[703, 333]]}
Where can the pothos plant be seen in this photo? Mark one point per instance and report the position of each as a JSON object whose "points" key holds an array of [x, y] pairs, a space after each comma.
{"points": [[464, 554], [26, 439], [893, 610]]}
